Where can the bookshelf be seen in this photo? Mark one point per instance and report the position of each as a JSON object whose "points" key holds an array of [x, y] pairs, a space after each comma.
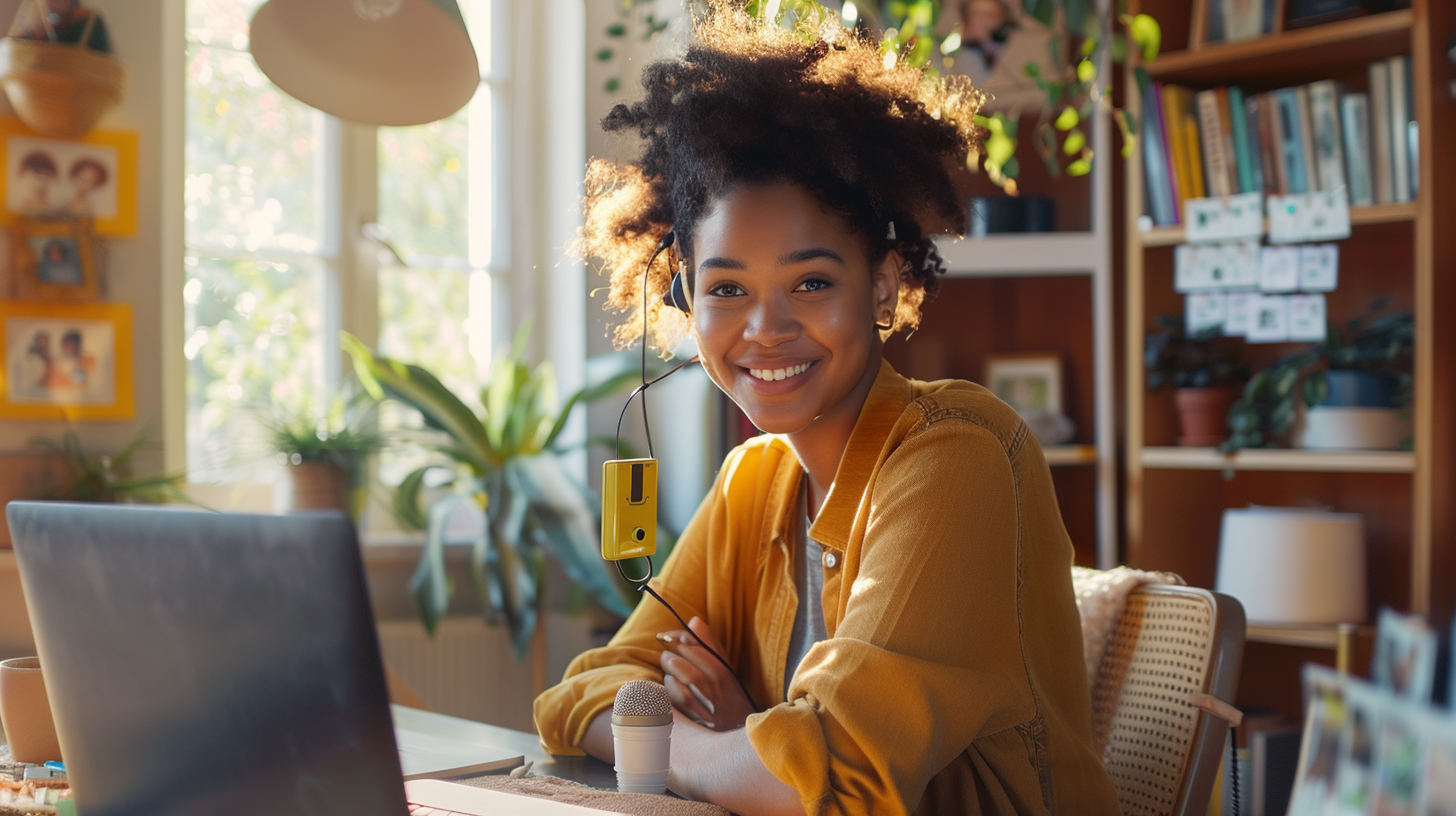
{"points": [[1175, 497]]}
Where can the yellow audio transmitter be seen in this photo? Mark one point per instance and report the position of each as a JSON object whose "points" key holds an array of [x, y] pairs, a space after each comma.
{"points": [[629, 508]]}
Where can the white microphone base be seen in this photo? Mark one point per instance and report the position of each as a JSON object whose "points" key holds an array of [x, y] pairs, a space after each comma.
{"points": [[643, 755]]}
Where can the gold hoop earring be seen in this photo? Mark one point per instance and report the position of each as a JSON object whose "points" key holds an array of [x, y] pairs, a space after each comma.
{"points": [[886, 326]]}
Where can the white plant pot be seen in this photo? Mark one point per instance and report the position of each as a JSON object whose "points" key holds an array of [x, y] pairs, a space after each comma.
{"points": [[1328, 427]]}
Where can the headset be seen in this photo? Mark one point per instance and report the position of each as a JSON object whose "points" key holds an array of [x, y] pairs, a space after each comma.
{"points": [[629, 486]]}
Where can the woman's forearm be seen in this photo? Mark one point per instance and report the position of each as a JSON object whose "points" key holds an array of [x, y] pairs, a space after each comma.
{"points": [[723, 768], [597, 741]]}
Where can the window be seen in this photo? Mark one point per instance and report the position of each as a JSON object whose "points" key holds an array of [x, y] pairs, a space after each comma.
{"points": [[275, 196]]}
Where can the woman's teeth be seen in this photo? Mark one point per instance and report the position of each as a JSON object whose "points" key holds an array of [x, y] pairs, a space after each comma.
{"points": [[779, 373]]}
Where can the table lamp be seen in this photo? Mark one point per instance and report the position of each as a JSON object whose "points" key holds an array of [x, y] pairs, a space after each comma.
{"points": [[380, 62], [1294, 566]]}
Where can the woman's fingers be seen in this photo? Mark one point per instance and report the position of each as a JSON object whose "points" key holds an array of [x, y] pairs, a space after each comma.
{"points": [[687, 702]]}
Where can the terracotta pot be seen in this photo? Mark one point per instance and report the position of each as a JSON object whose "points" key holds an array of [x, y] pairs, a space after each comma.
{"points": [[25, 712], [1203, 415], [317, 486]]}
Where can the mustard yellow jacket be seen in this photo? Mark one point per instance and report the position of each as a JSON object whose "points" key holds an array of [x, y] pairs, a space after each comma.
{"points": [[952, 680]]}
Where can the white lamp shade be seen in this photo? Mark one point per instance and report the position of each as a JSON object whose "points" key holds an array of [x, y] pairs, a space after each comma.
{"points": [[413, 67], [1294, 566]]}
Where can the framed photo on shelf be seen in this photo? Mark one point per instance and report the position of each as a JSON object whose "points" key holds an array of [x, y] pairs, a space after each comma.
{"points": [[1217, 21], [52, 259], [66, 361], [92, 177], [1029, 382]]}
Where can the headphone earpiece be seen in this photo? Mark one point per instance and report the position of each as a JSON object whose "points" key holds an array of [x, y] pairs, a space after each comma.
{"points": [[676, 295]]}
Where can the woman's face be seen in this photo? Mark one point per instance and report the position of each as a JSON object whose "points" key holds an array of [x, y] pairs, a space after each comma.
{"points": [[784, 306]]}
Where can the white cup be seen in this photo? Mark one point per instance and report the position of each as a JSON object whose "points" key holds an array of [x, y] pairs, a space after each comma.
{"points": [[643, 755]]}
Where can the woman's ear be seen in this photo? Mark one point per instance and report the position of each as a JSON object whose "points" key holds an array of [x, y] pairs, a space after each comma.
{"points": [[885, 287]]}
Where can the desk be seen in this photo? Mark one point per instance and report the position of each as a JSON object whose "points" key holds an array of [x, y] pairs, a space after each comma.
{"points": [[584, 769]]}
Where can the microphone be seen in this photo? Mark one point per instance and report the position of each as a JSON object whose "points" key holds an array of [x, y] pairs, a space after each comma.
{"points": [[641, 736]]}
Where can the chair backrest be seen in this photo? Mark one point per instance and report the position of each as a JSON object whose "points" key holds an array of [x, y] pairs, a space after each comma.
{"points": [[1171, 643]]}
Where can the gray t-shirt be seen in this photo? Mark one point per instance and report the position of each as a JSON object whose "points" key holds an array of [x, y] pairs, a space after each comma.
{"points": [[809, 581]]}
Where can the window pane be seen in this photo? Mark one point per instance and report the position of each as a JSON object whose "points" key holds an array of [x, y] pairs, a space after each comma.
{"points": [[220, 22], [253, 336], [252, 157], [424, 186]]}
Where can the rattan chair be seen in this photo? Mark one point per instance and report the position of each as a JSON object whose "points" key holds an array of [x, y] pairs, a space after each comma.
{"points": [[1171, 644]]}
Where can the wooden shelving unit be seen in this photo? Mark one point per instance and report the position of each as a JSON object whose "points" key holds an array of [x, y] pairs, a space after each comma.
{"points": [[1175, 496]]}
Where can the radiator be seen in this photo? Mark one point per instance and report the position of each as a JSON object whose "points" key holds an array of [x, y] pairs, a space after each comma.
{"points": [[466, 670]]}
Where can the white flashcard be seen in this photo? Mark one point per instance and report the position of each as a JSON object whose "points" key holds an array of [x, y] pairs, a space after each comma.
{"points": [[1307, 317], [1213, 266], [1244, 216], [1244, 260], [1203, 220], [1185, 268], [1241, 310], [1279, 269], [1271, 320], [1204, 310], [1288, 219], [1319, 267], [1328, 215]]}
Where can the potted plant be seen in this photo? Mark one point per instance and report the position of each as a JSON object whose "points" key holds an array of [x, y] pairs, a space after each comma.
{"points": [[107, 478], [506, 461], [1204, 375], [323, 451], [1354, 387]]}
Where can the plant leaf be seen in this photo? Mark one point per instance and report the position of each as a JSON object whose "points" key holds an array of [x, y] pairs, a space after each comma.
{"points": [[503, 558], [430, 585], [407, 500]]}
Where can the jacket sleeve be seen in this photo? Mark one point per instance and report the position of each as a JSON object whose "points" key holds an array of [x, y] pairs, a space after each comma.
{"points": [[563, 712], [927, 656]]}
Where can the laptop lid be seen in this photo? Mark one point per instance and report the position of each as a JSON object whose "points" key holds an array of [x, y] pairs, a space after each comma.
{"points": [[208, 663]]}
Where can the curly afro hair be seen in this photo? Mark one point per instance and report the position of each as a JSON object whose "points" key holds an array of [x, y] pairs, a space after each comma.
{"points": [[874, 139]]}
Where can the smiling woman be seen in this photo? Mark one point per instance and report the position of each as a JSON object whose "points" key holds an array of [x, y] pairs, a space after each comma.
{"points": [[885, 569]]}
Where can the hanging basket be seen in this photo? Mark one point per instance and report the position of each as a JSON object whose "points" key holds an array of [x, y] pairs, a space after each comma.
{"points": [[60, 89]]}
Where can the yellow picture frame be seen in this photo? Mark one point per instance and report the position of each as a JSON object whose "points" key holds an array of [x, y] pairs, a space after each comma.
{"points": [[66, 361], [94, 176], [53, 259]]}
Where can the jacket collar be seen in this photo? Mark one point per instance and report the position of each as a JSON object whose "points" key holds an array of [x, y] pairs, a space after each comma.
{"points": [[888, 397]]}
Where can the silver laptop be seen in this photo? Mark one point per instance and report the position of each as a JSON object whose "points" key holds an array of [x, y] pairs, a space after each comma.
{"points": [[212, 663]]}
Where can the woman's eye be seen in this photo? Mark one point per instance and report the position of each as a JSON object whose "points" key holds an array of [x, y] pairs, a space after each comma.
{"points": [[725, 290], [813, 285]]}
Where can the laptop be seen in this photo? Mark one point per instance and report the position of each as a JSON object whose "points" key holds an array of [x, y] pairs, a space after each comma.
{"points": [[214, 663]]}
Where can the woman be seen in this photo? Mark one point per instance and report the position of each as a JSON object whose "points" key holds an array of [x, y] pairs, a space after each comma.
{"points": [[886, 569]]}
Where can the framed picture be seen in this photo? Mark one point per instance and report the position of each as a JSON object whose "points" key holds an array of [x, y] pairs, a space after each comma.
{"points": [[70, 361], [1216, 21], [1027, 382], [92, 177], [53, 260]]}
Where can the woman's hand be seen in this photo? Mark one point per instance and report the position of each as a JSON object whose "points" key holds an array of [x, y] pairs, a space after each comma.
{"points": [[698, 685]]}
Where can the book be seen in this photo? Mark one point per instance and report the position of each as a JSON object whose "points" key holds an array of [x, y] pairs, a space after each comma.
{"points": [[1254, 142], [1291, 141], [1306, 139], [1380, 149], [1226, 138], [1269, 144], [1177, 144], [1400, 117], [1239, 135], [1174, 195], [1195, 151], [1355, 121], [1155, 163], [1329, 153], [1215, 159]]}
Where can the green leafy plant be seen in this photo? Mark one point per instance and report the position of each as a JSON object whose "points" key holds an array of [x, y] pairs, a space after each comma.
{"points": [[506, 460], [341, 433], [106, 478], [1176, 359], [1268, 408]]}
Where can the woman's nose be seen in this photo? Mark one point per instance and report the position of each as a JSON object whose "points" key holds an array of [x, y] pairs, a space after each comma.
{"points": [[771, 322]]}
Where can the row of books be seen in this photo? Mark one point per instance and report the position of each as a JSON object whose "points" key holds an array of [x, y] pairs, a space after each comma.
{"points": [[1310, 138]]}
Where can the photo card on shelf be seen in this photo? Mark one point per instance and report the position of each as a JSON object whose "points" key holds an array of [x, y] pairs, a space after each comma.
{"points": [[1319, 267], [1279, 269], [1204, 310], [1307, 318], [1242, 309], [1405, 656], [1271, 320]]}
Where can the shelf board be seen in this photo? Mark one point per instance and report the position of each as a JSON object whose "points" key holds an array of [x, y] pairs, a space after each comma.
{"points": [[1280, 459], [1026, 254], [1359, 217], [1070, 455], [1309, 635], [1290, 56]]}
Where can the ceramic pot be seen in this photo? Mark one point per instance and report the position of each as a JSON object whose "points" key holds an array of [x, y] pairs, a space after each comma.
{"points": [[1360, 389], [25, 712], [316, 486], [1328, 427], [1203, 414]]}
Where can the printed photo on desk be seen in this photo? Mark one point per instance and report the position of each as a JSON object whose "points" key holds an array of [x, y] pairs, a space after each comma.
{"points": [[92, 177], [66, 361], [53, 259]]}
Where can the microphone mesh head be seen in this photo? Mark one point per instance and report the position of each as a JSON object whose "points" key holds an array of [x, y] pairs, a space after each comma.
{"points": [[642, 698]]}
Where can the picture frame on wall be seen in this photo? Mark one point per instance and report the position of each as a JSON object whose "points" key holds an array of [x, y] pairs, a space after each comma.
{"points": [[53, 259], [1226, 21], [92, 177], [1029, 382], [66, 361]]}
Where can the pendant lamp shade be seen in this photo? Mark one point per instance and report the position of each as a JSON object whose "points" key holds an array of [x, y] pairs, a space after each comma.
{"points": [[413, 65]]}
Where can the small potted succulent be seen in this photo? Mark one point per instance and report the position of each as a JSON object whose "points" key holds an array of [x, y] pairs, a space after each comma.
{"points": [[1353, 388], [323, 450], [1205, 376]]}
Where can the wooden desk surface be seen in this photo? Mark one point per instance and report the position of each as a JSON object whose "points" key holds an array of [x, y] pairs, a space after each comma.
{"points": [[583, 769]]}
